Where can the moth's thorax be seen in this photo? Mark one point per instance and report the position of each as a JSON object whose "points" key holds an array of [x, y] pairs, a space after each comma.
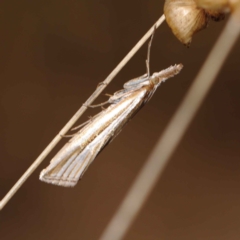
{"points": [[155, 79]]}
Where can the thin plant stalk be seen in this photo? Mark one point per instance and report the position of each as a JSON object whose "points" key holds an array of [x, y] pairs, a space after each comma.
{"points": [[150, 173], [78, 114]]}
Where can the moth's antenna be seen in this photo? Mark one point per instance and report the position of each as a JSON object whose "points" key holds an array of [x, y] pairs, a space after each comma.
{"points": [[149, 50]]}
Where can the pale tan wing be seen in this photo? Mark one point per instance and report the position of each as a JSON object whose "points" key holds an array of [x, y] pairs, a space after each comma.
{"points": [[67, 170], [72, 161]]}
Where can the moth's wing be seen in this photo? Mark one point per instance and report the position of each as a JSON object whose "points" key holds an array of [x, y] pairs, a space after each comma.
{"points": [[71, 162], [129, 87], [66, 169], [135, 82], [119, 96]]}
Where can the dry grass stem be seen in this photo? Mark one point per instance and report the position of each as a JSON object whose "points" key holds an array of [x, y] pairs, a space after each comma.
{"points": [[154, 166], [77, 115]]}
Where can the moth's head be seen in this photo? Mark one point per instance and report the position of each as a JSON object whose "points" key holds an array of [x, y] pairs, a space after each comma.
{"points": [[163, 75]]}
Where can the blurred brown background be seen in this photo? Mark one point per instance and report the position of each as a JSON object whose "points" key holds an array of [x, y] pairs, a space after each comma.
{"points": [[52, 56]]}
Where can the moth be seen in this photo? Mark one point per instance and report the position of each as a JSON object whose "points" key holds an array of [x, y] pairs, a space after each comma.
{"points": [[70, 163]]}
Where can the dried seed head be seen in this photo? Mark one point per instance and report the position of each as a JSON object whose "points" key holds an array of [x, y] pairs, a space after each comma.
{"points": [[216, 15], [222, 6], [185, 18], [218, 5]]}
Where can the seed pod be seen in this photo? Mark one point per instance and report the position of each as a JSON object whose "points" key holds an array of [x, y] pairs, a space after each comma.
{"points": [[185, 18], [216, 15], [222, 6]]}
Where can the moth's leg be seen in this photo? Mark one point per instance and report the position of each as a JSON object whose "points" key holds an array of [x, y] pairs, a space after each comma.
{"points": [[81, 125], [148, 52], [95, 105], [68, 136], [118, 96], [137, 82]]}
